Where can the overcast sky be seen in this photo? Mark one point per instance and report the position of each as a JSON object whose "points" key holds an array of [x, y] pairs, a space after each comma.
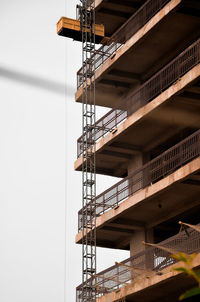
{"points": [[40, 194]]}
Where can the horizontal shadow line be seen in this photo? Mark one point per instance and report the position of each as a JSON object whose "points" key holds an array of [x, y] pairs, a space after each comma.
{"points": [[41, 83]]}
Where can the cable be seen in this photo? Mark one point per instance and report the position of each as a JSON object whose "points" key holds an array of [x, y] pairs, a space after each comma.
{"points": [[65, 173]]}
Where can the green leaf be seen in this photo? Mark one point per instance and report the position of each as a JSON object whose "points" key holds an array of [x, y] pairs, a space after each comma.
{"points": [[181, 257], [180, 269], [192, 257], [197, 273], [190, 293]]}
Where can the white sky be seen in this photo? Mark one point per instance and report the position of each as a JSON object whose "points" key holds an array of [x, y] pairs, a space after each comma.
{"points": [[39, 127]]}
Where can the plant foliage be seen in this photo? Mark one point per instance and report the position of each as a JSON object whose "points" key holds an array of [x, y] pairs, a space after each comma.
{"points": [[187, 269]]}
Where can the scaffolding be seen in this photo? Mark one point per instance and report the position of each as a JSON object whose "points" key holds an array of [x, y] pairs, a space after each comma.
{"points": [[86, 14], [84, 29]]}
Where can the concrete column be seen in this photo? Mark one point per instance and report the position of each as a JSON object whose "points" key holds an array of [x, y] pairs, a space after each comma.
{"points": [[141, 179], [131, 106], [136, 246], [135, 163], [149, 259]]}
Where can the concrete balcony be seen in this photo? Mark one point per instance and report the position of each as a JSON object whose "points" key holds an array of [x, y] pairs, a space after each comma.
{"points": [[114, 13], [152, 46], [155, 196], [148, 275], [158, 114]]}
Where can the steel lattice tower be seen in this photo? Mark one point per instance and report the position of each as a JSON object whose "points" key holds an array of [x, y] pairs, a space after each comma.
{"points": [[87, 20]]}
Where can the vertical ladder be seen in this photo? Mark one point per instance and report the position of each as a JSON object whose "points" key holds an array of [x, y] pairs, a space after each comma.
{"points": [[87, 20]]}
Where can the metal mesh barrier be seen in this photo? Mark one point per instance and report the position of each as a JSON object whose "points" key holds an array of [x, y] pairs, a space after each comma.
{"points": [[125, 32], [144, 264], [153, 171], [148, 91]]}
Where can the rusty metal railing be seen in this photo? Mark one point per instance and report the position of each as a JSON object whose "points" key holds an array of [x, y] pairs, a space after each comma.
{"points": [[125, 32], [100, 56], [152, 260], [153, 171], [104, 125], [145, 93]]}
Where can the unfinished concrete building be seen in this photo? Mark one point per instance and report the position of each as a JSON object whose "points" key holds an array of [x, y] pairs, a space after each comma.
{"points": [[147, 71]]}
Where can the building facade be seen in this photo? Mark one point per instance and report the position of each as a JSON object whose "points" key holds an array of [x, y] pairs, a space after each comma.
{"points": [[148, 74]]}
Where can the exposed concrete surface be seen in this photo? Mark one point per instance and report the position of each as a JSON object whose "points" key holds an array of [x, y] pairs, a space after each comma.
{"points": [[114, 14], [142, 206], [123, 50], [140, 236], [148, 290], [144, 53], [166, 112]]}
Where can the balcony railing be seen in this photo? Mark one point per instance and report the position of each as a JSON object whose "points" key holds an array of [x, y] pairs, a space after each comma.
{"points": [[143, 265], [125, 32], [145, 93], [153, 171], [104, 125]]}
